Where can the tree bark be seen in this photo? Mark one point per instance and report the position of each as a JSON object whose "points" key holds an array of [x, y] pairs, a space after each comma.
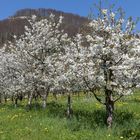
{"points": [[109, 102], [5, 99], [30, 100], [36, 100], [55, 96], [16, 101], [109, 108], [69, 107], [44, 100], [46, 91], [12, 99], [0, 98]]}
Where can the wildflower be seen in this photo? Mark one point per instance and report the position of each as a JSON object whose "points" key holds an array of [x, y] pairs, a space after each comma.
{"points": [[46, 129], [132, 133]]}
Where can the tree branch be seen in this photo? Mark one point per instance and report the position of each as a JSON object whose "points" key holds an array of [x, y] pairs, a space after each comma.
{"points": [[118, 98], [91, 90], [118, 61]]}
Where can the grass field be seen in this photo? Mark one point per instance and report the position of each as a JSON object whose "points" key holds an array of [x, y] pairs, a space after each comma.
{"points": [[87, 122]]}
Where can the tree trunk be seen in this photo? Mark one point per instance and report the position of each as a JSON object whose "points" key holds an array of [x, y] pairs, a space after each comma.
{"points": [[47, 89], [12, 99], [20, 97], [55, 96], [0, 98], [69, 107], [5, 99], [30, 100], [36, 101], [78, 95], [16, 101], [109, 108], [44, 100]]}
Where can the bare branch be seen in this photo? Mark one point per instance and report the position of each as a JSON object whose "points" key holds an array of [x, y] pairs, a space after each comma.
{"points": [[91, 90], [118, 98]]}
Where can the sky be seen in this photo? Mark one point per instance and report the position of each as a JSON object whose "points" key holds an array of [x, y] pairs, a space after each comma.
{"points": [[80, 7]]}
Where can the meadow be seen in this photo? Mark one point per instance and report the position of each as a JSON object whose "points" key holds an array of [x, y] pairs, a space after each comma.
{"points": [[87, 122]]}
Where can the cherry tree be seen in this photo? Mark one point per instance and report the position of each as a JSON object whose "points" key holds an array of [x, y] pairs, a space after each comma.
{"points": [[9, 75], [104, 58], [37, 54]]}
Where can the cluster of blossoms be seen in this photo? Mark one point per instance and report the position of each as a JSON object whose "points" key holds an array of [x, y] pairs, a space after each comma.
{"points": [[45, 59]]}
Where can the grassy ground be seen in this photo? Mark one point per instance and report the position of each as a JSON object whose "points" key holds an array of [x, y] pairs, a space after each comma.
{"points": [[87, 122]]}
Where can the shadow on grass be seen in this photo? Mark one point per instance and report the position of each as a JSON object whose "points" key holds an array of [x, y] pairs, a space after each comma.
{"points": [[12, 106], [87, 119], [122, 117], [81, 119], [132, 133]]}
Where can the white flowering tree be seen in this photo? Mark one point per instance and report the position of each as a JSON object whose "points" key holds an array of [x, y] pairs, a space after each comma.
{"points": [[104, 59], [67, 81], [10, 75], [37, 55]]}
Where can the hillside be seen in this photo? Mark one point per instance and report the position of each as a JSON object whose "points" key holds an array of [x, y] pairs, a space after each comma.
{"points": [[15, 24]]}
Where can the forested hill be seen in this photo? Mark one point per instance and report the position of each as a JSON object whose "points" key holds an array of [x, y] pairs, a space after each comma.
{"points": [[15, 24]]}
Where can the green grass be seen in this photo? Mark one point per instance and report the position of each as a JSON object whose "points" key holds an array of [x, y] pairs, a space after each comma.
{"points": [[87, 123]]}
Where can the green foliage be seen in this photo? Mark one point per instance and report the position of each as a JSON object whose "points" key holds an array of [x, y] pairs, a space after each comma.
{"points": [[87, 122]]}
